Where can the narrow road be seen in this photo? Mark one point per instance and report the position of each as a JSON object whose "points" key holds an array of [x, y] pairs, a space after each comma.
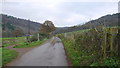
{"points": [[51, 53]]}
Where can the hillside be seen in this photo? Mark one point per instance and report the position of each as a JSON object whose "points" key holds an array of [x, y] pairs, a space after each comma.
{"points": [[107, 21], [10, 23]]}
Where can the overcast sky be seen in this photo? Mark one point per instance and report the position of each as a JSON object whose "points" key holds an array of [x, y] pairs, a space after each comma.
{"points": [[62, 12]]}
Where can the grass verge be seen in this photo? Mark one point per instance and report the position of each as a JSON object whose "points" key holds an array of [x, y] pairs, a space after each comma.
{"points": [[8, 55], [0, 57]]}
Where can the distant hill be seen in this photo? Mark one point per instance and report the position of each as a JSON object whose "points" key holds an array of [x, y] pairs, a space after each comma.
{"points": [[107, 21], [10, 23]]}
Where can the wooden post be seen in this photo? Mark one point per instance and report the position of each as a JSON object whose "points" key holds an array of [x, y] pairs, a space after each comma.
{"points": [[38, 37], [104, 46], [65, 35]]}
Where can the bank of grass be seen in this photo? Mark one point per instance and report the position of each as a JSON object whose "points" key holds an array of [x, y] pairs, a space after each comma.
{"points": [[8, 55], [30, 44], [0, 57], [77, 57], [88, 47], [82, 58]]}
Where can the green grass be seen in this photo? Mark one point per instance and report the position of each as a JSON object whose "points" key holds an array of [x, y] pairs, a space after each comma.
{"points": [[12, 41], [85, 47], [12, 37], [107, 62], [76, 57], [31, 44], [20, 42], [0, 56], [8, 55]]}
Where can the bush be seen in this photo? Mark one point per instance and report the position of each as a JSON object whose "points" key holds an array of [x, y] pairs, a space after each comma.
{"points": [[34, 38], [41, 37]]}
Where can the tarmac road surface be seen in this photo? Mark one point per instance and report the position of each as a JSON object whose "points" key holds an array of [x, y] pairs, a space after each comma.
{"points": [[51, 53]]}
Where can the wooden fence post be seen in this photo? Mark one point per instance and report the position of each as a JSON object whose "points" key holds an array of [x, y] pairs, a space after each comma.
{"points": [[38, 37]]}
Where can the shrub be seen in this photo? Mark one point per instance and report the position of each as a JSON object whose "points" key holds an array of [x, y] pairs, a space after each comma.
{"points": [[41, 37]]}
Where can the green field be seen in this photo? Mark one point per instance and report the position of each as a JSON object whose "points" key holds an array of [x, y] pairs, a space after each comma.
{"points": [[20, 42], [12, 41], [93, 47]]}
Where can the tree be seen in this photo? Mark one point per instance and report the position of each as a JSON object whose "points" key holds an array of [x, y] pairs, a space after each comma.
{"points": [[17, 32], [47, 27]]}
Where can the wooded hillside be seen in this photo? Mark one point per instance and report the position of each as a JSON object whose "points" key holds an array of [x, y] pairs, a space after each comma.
{"points": [[10, 24]]}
